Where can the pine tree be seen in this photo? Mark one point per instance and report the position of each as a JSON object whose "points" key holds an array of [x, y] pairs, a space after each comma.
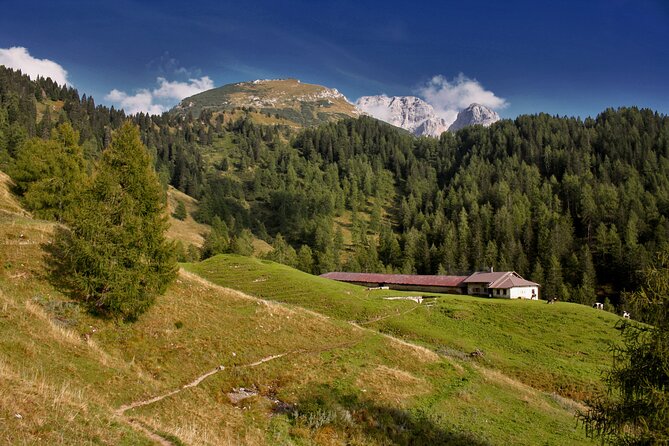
{"points": [[217, 241], [305, 259], [114, 255], [49, 174], [553, 279], [282, 252], [588, 277], [180, 212], [636, 409], [242, 243]]}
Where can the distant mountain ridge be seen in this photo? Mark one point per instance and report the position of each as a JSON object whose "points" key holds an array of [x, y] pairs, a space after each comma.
{"points": [[297, 104], [289, 99], [407, 112], [418, 117]]}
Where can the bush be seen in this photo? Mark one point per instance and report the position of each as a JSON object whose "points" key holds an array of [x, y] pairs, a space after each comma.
{"points": [[180, 212]]}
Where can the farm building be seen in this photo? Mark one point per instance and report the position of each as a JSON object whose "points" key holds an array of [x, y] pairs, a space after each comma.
{"points": [[402, 282], [507, 284]]}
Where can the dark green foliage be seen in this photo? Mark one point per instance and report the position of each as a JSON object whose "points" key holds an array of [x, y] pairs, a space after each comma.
{"points": [[305, 259], [242, 243], [50, 173], [282, 252], [186, 254], [217, 241], [114, 256], [636, 409], [180, 212]]}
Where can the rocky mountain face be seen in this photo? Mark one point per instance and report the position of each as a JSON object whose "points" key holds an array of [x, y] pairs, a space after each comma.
{"points": [[407, 112], [418, 117], [291, 102], [473, 115], [288, 101]]}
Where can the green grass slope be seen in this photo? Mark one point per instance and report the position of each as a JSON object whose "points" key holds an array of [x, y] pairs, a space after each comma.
{"points": [[558, 348], [174, 376]]}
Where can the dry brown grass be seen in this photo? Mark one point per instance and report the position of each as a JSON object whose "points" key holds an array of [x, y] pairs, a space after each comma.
{"points": [[8, 201], [286, 93], [261, 247], [35, 410], [526, 393], [392, 385], [188, 231]]}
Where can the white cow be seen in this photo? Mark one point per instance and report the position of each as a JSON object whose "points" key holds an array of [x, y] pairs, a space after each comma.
{"points": [[626, 315], [598, 305]]}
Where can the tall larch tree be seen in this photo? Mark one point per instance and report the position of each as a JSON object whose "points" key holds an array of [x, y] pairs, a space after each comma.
{"points": [[114, 255]]}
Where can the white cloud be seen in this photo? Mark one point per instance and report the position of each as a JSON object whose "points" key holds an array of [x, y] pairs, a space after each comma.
{"points": [[19, 58], [161, 99], [449, 97], [179, 90], [142, 101]]}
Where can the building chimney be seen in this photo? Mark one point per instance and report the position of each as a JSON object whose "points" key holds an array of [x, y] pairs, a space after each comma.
{"points": [[491, 269]]}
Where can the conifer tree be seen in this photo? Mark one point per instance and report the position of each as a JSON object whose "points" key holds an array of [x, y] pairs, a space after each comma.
{"points": [[49, 174], [636, 409], [114, 256], [217, 241], [305, 259], [242, 243], [180, 212], [553, 279], [282, 252]]}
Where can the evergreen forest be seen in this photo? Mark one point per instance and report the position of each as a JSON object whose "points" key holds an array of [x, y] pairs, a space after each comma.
{"points": [[578, 205]]}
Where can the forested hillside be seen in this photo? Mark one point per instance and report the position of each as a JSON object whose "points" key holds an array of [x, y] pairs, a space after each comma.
{"points": [[577, 205]]}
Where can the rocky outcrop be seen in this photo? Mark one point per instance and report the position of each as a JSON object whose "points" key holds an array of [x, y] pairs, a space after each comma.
{"points": [[407, 112], [473, 115]]}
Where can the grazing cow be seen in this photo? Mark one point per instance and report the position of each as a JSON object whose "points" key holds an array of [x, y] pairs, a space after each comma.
{"points": [[598, 305], [551, 300], [626, 315]]}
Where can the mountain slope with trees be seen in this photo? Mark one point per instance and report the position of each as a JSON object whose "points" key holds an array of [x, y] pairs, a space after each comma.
{"points": [[577, 205], [172, 375]]}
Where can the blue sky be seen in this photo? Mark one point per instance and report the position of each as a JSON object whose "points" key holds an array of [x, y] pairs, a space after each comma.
{"points": [[561, 57]]}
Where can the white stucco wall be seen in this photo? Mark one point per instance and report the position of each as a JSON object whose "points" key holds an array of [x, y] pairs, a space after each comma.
{"points": [[524, 292]]}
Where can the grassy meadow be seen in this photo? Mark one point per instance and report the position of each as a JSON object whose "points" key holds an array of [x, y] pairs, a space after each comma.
{"points": [[558, 348], [322, 362]]}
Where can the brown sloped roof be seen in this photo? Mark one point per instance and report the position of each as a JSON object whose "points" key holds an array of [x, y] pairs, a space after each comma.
{"points": [[502, 279], [486, 277], [512, 281], [397, 279]]}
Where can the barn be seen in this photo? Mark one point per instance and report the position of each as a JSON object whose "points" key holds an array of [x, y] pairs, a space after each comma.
{"points": [[504, 284], [402, 282]]}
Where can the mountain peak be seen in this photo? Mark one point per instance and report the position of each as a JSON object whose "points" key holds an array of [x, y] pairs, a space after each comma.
{"points": [[293, 101], [408, 112], [475, 114]]}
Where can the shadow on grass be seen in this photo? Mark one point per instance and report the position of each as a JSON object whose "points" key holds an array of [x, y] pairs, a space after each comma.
{"points": [[60, 271], [326, 408]]}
